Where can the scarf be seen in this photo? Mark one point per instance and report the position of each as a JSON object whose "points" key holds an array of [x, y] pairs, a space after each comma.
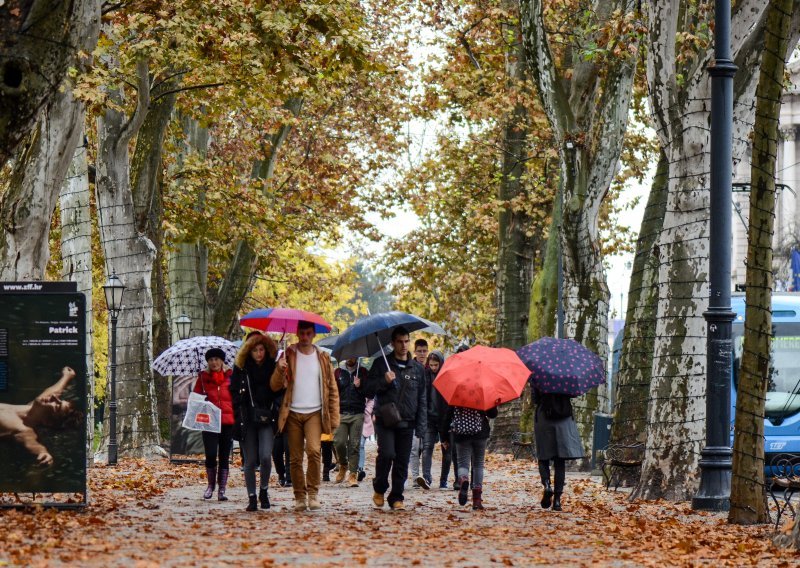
{"points": [[217, 377]]}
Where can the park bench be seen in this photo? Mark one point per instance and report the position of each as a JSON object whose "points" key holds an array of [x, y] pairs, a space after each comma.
{"points": [[785, 472], [523, 442], [621, 461]]}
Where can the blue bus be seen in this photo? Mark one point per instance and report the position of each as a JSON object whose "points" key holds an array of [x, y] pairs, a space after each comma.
{"points": [[782, 407]]}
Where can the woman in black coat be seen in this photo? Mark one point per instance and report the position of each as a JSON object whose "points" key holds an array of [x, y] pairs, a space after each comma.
{"points": [[557, 440], [254, 402]]}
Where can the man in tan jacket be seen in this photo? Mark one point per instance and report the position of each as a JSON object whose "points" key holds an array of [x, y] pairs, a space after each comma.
{"points": [[310, 408]]}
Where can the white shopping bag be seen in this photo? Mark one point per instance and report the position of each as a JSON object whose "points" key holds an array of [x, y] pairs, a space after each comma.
{"points": [[202, 415]]}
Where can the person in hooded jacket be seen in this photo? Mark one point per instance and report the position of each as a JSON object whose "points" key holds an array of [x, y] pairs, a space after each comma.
{"points": [[397, 382], [254, 402], [214, 382], [437, 408], [347, 440]]}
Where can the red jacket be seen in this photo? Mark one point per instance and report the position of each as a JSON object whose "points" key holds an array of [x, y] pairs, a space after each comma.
{"points": [[218, 395]]}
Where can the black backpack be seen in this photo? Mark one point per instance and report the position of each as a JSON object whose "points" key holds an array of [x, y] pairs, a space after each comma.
{"points": [[556, 406]]}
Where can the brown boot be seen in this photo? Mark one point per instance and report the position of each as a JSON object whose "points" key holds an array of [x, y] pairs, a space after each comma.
{"points": [[477, 501], [352, 479], [341, 474]]}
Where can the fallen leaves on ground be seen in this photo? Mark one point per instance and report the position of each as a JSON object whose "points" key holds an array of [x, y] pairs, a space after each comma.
{"points": [[147, 513]]}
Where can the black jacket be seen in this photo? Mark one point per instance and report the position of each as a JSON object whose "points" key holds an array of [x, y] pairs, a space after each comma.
{"points": [[351, 397], [262, 395], [437, 406], [444, 427], [413, 405]]}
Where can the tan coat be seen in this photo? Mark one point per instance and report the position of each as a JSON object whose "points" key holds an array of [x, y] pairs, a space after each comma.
{"points": [[328, 389]]}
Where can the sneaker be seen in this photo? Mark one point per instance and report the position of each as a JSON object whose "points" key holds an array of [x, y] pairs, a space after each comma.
{"points": [[352, 479], [300, 505], [398, 506], [422, 482], [361, 475], [378, 499], [313, 503], [443, 486]]}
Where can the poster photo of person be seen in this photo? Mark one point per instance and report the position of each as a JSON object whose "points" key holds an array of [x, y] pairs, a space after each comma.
{"points": [[42, 394]]}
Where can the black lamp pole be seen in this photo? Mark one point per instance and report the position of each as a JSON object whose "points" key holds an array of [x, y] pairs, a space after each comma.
{"points": [[716, 457], [113, 289]]}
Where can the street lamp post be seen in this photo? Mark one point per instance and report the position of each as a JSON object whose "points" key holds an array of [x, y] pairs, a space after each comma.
{"points": [[715, 460], [183, 324], [113, 289]]}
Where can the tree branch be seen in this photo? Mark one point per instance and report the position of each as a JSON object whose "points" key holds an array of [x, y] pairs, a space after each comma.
{"points": [[189, 88], [131, 127], [542, 66]]}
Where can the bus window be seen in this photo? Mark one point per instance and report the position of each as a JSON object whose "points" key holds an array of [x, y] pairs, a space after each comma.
{"points": [[783, 389]]}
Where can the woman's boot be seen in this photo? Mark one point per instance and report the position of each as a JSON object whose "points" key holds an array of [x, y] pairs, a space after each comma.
{"points": [[557, 501], [252, 503], [223, 485], [547, 496], [264, 498], [477, 501], [463, 489], [211, 474]]}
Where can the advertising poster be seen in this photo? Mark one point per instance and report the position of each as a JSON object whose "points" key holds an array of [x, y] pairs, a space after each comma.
{"points": [[185, 444], [42, 388]]}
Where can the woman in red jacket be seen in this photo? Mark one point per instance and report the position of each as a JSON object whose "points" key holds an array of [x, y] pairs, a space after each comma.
{"points": [[214, 382]]}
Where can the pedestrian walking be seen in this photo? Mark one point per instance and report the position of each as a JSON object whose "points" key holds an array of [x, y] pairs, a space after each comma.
{"points": [[347, 441], [557, 440], [310, 408], [421, 356], [280, 449], [366, 433], [398, 384], [215, 382], [437, 409], [254, 404], [326, 449], [470, 431]]}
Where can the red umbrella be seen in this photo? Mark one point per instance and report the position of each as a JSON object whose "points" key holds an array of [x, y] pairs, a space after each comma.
{"points": [[482, 377], [282, 320]]}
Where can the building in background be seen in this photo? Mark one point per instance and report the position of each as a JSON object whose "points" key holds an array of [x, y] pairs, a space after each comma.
{"points": [[787, 212]]}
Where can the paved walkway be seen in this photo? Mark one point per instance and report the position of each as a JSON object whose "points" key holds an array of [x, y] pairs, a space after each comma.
{"points": [[148, 514]]}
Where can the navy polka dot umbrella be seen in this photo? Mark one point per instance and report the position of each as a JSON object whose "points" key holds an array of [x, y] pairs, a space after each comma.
{"points": [[562, 366]]}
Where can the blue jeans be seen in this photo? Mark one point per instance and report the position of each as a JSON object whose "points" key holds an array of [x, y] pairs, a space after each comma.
{"points": [[428, 444], [471, 451], [257, 450], [362, 453]]}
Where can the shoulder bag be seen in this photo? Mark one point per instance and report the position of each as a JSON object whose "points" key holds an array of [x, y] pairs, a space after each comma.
{"points": [[389, 413], [262, 416]]}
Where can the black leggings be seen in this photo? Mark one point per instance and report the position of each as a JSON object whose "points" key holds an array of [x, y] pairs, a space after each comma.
{"points": [[561, 473], [221, 443], [280, 455]]}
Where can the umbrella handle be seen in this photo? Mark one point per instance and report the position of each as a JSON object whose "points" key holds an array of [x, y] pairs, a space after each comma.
{"points": [[385, 360]]}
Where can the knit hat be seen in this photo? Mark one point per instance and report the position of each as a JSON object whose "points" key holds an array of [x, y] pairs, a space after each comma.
{"points": [[215, 352]]}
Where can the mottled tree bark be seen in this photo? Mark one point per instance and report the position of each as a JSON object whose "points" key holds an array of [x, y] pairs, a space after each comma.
{"points": [[76, 259], [680, 98], [588, 111], [40, 40], [517, 245], [130, 253], [635, 365], [748, 494]]}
